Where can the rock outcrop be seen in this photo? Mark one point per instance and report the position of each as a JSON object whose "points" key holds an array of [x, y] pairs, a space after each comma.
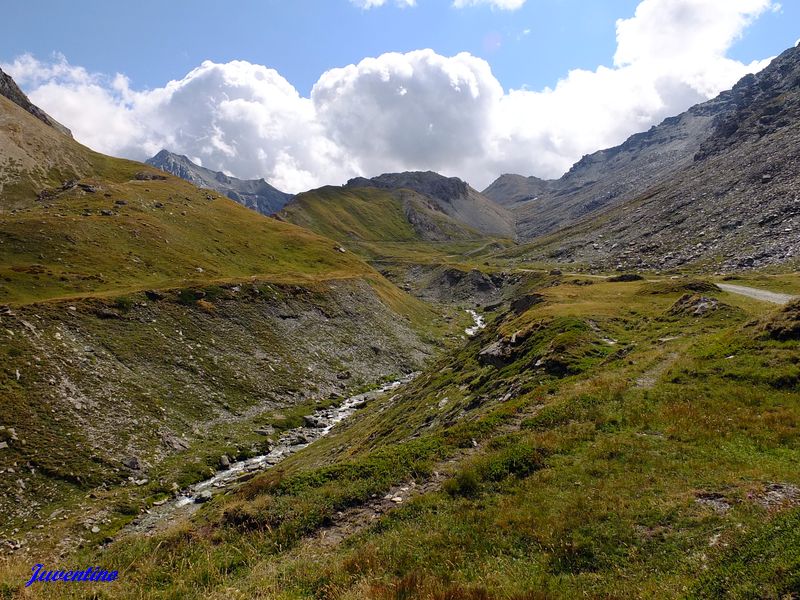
{"points": [[10, 89], [255, 194]]}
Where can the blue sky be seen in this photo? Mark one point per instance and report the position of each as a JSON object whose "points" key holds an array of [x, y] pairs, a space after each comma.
{"points": [[251, 111], [153, 41]]}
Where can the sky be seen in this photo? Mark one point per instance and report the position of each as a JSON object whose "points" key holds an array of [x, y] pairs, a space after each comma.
{"points": [[312, 92]]}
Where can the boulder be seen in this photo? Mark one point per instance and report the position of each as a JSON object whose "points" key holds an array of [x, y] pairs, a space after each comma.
{"points": [[496, 354], [173, 442], [523, 303], [694, 305], [132, 462], [313, 422]]}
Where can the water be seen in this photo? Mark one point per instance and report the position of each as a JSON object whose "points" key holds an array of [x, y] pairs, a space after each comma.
{"points": [[480, 323], [319, 424]]}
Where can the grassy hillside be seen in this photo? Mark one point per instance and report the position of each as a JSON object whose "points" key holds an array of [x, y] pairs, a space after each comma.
{"points": [[150, 327], [607, 441], [386, 224], [122, 225]]}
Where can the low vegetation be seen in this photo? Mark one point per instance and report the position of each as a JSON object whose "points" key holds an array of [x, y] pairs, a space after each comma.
{"points": [[659, 459]]}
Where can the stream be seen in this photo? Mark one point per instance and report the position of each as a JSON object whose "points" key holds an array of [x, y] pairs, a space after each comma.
{"points": [[480, 323], [317, 425]]}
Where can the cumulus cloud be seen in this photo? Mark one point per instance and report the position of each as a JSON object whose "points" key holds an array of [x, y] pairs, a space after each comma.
{"points": [[409, 111], [418, 110]]}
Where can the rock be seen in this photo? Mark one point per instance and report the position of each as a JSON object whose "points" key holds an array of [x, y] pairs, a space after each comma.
{"points": [[713, 500], [224, 462], [397, 499], [95, 529], [174, 442], [120, 202], [343, 375], [556, 272], [106, 313], [146, 176], [159, 205], [132, 462], [313, 422], [779, 495], [626, 277], [522, 304], [693, 305], [107, 213], [266, 430], [3, 445], [5, 309], [202, 497], [499, 353], [154, 295]]}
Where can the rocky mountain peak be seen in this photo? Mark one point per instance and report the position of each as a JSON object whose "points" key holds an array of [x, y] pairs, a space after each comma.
{"points": [[256, 194], [450, 195], [427, 183], [760, 104]]}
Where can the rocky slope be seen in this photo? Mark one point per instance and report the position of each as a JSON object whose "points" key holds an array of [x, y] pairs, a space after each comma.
{"points": [[606, 178], [451, 196], [510, 189], [157, 386], [256, 194], [10, 89], [735, 204]]}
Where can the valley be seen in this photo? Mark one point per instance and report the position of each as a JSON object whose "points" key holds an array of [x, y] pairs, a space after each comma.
{"points": [[402, 387]]}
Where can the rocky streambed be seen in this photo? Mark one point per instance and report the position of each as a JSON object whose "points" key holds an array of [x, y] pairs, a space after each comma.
{"points": [[479, 323], [317, 425]]}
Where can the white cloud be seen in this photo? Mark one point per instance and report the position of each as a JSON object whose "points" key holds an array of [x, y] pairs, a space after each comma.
{"points": [[409, 111], [417, 110], [500, 4], [367, 4]]}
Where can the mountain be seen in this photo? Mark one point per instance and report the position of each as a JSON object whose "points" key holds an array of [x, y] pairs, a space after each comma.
{"points": [[70, 213], [449, 195], [374, 215], [255, 194], [10, 90], [608, 177], [509, 189], [729, 200], [203, 402], [146, 320]]}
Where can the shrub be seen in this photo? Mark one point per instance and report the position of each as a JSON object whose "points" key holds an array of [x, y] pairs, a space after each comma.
{"points": [[465, 484]]}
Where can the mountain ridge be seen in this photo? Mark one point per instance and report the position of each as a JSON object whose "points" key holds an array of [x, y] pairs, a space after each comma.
{"points": [[734, 205], [605, 178], [451, 195], [255, 194], [10, 89]]}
